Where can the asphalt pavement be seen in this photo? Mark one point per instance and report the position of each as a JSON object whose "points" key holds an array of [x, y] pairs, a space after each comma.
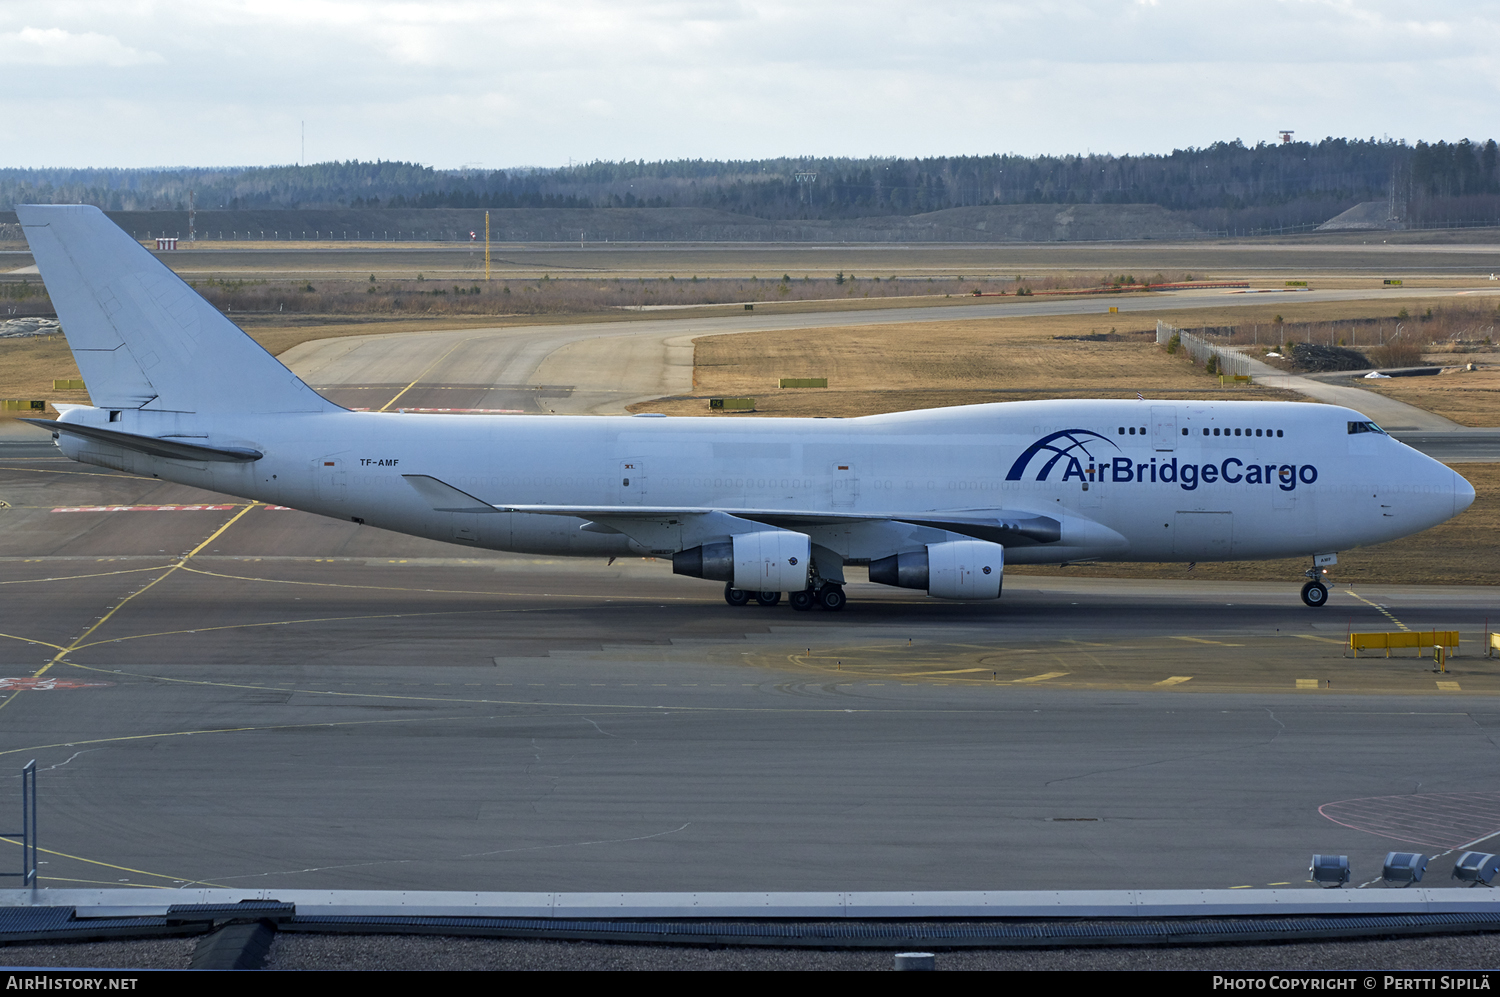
{"points": [[244, 697]]}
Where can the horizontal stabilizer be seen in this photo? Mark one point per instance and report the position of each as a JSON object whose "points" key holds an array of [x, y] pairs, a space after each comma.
{"points": [[152, 445], [444, 497]]}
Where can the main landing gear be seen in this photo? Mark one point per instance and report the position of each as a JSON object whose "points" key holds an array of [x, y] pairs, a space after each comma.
{"points": [[828, 596]]}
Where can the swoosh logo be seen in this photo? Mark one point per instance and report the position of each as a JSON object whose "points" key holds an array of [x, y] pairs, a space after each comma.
{"points": [[1059, 444]]}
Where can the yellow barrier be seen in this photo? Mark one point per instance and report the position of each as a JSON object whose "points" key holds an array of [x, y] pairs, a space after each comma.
{"points": [[1418, 640], [733, 404], [802, 382], [1494, 645], [67, 384], [22, 405]]}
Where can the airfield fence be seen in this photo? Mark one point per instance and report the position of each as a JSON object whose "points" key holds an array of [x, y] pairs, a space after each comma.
{"points": [[1230, 362]]}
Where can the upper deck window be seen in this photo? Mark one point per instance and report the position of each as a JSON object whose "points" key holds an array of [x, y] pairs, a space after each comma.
{"points": [[1279, 432]]}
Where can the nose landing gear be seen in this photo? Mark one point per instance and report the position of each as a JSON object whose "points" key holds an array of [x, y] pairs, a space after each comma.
{"points": [[1315, 592]]}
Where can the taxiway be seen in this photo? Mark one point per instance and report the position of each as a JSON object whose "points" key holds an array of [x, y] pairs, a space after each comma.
{"points": [[374, 712]]}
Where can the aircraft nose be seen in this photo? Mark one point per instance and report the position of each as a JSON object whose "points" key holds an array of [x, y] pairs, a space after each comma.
{"points": [[1463, 493]]}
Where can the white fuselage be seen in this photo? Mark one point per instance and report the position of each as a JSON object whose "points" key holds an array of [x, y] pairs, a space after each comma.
{"points": [[1166, 492]]}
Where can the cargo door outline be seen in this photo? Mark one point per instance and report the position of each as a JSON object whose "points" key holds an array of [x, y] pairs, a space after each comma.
{"points": [[1296, 510], [331, 479], [843, 485], [1164, 428], [632, 479]]}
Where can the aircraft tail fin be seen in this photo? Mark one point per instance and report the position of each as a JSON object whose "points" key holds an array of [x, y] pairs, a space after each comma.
{"points": [[143, 339]]}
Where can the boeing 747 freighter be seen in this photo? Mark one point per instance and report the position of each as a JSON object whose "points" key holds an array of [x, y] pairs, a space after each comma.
{"points": [[938, 500]]}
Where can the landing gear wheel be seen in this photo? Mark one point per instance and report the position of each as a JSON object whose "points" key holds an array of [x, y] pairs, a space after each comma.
{"points": [[831, 598], [768, 598], [1315, 594], [801, 601], [734, 596]]}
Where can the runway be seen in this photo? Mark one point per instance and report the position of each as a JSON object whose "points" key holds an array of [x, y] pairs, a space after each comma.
{"points": [[601, 368], [1459, 446], [374, 712], [1364, 255]]}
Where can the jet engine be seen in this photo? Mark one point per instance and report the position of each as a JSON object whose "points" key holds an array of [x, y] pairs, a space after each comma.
{"points": [[958, 569], [765, 561]]}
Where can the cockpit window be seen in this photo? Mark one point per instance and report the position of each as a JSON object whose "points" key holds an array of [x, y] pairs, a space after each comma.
{"points": [[1365, 427]]}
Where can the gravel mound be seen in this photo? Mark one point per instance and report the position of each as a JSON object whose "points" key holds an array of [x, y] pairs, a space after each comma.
{"points": [[1312, 359], [16, 328]]}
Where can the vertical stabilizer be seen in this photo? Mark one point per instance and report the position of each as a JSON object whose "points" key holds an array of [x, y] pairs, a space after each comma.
{"points": [[143, 339]]}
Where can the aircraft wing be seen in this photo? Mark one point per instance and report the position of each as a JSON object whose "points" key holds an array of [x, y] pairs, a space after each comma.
{"points": [[1013, 529]]}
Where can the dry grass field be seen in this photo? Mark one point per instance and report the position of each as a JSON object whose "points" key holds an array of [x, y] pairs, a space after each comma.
{"points": [[894, 368], [28, 367], [1468, 397]]}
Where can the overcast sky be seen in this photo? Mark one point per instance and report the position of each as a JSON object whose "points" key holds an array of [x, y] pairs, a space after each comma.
{"points": [[500, 83]]}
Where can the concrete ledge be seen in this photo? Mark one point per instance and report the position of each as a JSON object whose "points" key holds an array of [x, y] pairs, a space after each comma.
{"points": [[116, 903]]}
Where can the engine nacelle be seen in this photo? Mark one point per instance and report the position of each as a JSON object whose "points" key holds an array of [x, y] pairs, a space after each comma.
{"points": [[908, 570], [958, 569], [714, 561], [765, 561], [965, 569]]}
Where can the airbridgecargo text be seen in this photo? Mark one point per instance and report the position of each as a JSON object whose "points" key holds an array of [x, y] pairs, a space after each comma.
{"points": [[1230, 471]]}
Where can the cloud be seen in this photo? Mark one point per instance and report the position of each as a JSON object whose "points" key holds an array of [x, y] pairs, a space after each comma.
{"points": [[516, 81], [60, 47]]}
